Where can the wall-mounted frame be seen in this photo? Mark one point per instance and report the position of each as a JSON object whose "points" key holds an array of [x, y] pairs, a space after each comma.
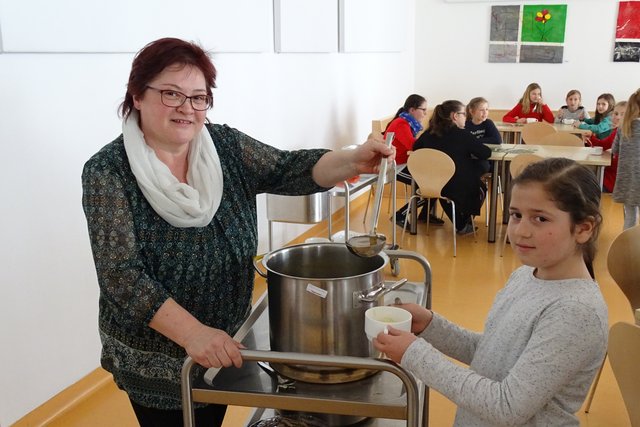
{"points": [[373, 25], [106, 26], [527, 33], [305, 26]]}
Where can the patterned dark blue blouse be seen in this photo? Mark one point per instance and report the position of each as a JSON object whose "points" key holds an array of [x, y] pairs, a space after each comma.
{"points": [[141, 260]]}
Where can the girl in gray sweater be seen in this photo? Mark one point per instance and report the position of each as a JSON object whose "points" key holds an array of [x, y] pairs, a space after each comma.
{"points": [[546, 334]]}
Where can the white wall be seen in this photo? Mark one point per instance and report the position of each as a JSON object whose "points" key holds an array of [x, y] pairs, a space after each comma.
{"points": [[59, 109], [452, 43]]}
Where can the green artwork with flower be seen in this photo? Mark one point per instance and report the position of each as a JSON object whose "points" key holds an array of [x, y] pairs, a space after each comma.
{"points": [[544, 23]]}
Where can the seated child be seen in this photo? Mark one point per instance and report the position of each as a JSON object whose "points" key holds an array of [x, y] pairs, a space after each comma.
{"points": [[610, 172], [574, 109], [600, 125], [530, 106]]}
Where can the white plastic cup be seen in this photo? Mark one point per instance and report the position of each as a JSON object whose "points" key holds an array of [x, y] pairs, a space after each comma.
{"points": [[378, 319], [596, 151]]}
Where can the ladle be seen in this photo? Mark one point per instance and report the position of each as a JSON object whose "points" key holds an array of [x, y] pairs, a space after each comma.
{"points": [[370, 245]]}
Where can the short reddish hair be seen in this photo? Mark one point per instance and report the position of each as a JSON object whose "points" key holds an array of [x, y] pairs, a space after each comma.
{"points": [[152, 59]]}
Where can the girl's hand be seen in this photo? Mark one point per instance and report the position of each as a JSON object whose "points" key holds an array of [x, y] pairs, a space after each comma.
{"points": [[521, 120], [394, 344], [213, 348], [577, 123], [420, 316], [560, 114]]}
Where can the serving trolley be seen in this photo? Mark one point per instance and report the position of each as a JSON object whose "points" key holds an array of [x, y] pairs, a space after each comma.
{"points": [[391, 397]]}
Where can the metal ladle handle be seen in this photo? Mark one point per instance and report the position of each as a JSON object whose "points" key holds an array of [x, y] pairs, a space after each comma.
{"points": [[380, 186]]}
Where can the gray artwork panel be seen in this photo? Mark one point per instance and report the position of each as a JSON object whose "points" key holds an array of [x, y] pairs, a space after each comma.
{"points": [[541, 54], [626, 52], [504, 23], [503, 52]]}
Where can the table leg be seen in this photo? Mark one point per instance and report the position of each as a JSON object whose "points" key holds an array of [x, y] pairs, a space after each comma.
{"points": [[493, 202], [600, 175], [413, 229], [506, 200]]}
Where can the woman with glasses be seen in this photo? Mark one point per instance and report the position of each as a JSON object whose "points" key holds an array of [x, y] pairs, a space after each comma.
{"points": [[171, 212], [446, 133], [407, 125]]}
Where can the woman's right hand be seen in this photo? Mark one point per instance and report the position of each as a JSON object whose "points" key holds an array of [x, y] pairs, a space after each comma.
{"points": [[420, 316], [213, 348]]}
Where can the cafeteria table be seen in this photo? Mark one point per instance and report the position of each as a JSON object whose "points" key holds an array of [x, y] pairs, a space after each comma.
{"points": [[501, 155], [511, 131]]}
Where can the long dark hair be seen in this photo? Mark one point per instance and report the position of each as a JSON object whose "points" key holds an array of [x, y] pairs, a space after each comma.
{"points": [[413, 101], [152, 59], [575, 190], [612, 103], [440, 120]]}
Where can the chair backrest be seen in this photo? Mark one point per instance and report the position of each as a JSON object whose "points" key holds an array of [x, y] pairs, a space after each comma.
{"points": [[624, 352], [561, 138], [431, 169], [521, 161], [379, 125], [622, 262], [532, 133]]}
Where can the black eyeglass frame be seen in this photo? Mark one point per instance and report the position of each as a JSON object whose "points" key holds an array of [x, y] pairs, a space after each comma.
{"points": [[184, 98]]}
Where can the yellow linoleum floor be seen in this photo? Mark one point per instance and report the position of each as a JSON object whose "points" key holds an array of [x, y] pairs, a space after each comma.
{"points": [[463, 290]]}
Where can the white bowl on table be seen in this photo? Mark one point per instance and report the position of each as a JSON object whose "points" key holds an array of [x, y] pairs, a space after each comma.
{"points": [[568, 121], [531, 120]]}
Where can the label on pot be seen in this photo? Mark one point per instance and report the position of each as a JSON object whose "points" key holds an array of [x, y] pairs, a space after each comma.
{"points": [[316, 290]]}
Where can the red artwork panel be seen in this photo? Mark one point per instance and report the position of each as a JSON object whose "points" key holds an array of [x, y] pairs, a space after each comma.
{"points": [[628, 25]]}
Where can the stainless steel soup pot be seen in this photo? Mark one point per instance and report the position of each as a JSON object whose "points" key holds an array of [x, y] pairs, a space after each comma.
{"points": [[318, 293]]}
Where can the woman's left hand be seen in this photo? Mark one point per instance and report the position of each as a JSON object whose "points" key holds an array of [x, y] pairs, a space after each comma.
{"points": [[394, 344], [366, 157]]}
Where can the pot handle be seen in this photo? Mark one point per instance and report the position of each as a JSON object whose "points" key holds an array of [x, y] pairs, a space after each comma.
{"points": [[371, 295], [256, 262]]}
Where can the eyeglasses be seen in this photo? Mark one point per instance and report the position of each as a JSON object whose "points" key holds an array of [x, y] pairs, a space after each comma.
{"points": [[423, 109], [461, 113], [173, 98]]}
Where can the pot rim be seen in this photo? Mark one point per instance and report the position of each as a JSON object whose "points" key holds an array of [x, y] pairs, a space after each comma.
{"points": [[267, 257]]}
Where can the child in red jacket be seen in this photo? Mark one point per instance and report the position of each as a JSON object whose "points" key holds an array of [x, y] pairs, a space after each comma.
{"points": [[530, 106]]}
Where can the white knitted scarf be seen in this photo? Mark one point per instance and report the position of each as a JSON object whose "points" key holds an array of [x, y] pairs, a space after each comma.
{"points": [[182, 205]]}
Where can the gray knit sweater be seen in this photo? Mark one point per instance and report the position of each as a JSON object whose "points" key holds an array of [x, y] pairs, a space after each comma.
{"points": [[542, 346], [627, 188]]}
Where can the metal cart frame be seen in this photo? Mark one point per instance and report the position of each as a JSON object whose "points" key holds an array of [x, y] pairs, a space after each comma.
{"points": [[329, 403]]}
